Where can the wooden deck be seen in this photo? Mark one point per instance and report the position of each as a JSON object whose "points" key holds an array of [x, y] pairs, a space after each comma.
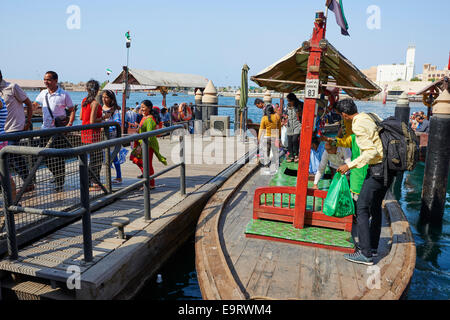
{"points": [[120, 267], [232, 266]]}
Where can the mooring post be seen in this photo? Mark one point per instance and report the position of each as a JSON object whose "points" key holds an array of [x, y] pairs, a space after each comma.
{"points": [[209, 97], [402, 109], [198, 127], [182, 165], [267, 97], [437, 161]]}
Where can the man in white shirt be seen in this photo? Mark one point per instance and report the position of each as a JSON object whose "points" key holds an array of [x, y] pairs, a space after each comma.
{"points": [[334, 157], [58, 101]]}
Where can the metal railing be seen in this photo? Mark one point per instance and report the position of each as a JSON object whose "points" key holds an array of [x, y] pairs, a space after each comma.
{"points": [[85, 176]]}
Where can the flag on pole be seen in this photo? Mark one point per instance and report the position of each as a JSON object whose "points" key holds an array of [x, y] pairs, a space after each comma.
{"points": [[108, 71], [338, 9], [127, 35]]}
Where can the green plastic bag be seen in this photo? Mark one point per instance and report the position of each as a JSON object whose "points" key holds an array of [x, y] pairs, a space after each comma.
{"points": [[339, 202]]}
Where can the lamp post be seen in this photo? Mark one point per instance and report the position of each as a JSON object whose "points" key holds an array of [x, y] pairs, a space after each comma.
{"points": [[125, 90]]}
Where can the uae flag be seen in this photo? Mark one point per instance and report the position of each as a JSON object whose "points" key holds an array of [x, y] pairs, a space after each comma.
{"points": [[338, 9]]}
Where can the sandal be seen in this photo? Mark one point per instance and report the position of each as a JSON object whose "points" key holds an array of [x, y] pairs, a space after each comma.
{"points": [[117, 181], [95, 187]]}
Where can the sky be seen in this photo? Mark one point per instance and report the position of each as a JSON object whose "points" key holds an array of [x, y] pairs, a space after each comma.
{"points": [[209, 38]]}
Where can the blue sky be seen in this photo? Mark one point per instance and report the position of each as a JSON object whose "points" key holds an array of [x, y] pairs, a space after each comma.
{"points": [[210, 38]]}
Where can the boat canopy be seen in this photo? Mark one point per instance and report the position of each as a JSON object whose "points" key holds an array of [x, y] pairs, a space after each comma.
{"points": [[289, 74], [159, 79], [439, 84]]}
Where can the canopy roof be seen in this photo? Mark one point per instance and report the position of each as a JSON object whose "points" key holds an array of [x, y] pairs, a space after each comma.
{"points": [[437, 84], [133, 87], [158, 79], [289, 74]]}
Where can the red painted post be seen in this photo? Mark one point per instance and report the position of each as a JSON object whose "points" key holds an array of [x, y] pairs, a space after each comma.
{"points": [[308, 122]]}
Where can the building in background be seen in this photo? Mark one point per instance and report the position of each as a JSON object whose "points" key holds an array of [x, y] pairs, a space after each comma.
{"points": [[394, 72], [432, 73]]}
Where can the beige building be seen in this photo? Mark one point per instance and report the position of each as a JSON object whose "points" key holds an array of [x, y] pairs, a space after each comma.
{"points": [[371, 73], [430, 72]]}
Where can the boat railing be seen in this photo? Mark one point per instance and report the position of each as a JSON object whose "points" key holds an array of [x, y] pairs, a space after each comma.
{"points": [[278, 203], [70, 175]]}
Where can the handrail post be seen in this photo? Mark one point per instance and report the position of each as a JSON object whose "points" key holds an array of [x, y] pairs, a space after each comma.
{"points": [[11, 238], [182, 166], [84, 197], [146, 163], [108, 163]]}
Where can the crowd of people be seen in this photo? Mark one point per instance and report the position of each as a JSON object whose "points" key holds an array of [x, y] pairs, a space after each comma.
{"points": [[58, 110], [357, 151]]}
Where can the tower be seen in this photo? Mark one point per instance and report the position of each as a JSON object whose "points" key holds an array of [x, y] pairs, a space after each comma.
{"points": [[410, 62]]}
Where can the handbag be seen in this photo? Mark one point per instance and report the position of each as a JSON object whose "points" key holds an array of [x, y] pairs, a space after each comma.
{"points": [[60, 121]]}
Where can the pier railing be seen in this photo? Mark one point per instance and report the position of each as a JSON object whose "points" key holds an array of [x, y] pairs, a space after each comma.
{"points": [[70, 180]]}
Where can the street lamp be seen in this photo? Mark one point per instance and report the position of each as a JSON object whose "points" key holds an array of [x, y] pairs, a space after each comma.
{"points": [[125, 90]]}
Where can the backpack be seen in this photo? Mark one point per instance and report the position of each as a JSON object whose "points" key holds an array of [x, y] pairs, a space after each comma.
{"points": [[400, 144]]}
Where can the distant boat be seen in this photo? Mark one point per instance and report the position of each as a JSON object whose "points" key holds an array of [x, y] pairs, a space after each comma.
{"points": [[151, 94], [174, 94]]}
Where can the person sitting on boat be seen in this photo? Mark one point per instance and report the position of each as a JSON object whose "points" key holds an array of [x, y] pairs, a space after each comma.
{"points": [[293, 126], [423, 125], [271, 128], [333, 157], [165, 117], [147, 124], [175, 114], [374, 188], [317, 149]]}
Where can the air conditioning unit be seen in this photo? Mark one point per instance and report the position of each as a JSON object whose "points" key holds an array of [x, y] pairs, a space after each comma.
{"points": [[220, 126]]}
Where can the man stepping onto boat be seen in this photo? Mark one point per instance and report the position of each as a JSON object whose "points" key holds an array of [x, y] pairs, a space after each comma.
{"points": [[373, 189]]}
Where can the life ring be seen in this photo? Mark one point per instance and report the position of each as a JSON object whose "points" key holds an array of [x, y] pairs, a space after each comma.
{"points": [[426, 98], [185, 114]]}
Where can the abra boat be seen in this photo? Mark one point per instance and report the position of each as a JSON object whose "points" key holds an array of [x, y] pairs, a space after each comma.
{"points": [[264, 236]]}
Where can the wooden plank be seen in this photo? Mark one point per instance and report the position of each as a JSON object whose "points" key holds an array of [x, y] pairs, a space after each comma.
{"points": [[307, 273]]}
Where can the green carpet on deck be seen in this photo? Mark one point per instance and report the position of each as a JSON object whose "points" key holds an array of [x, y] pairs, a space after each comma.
{"points": [[315, 235], [282, 230]]}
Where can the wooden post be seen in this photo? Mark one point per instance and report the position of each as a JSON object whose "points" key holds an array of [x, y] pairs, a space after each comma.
{"points": [[308, 119], [437, 161]]}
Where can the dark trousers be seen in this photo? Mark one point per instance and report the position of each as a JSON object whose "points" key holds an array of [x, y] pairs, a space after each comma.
{"points": [[18, 162], [293, 145], [56, 165], [368, 211]]}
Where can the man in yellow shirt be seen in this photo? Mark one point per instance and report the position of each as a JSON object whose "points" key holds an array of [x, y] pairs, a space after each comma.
{"points": [[373, 189]]}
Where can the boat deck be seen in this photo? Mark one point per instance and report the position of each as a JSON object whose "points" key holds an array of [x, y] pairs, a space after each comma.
{"points": [[119, 267], [261, 269]]}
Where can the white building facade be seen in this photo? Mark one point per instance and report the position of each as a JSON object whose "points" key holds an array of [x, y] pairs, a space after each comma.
{"points": [[396, 72]]}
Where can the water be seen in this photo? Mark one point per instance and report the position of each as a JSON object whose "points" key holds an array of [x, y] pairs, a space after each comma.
{"points": [[431, 279]]}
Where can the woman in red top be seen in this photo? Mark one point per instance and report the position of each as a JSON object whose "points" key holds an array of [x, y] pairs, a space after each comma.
{"points": [[91, 112]]}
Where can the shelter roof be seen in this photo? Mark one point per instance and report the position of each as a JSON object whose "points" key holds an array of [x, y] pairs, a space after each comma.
{"points": [[289, 74], [162, 79]]}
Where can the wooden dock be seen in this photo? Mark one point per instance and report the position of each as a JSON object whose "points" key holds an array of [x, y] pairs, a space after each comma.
{"points": [[120, 267], [231, 266]]}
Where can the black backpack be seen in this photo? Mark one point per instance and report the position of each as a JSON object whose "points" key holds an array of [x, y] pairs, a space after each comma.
{"points": [[400, 144]]}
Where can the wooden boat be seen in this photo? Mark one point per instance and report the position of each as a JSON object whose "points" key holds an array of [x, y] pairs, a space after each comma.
{"points": [[265, 236], [232, 266]]}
